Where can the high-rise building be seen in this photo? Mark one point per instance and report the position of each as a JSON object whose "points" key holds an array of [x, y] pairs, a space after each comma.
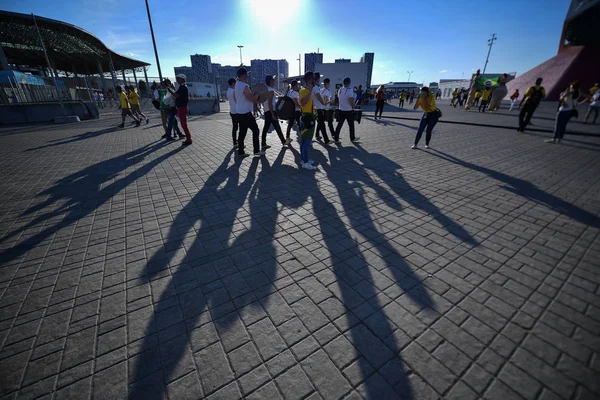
{"points": [[342, 61], [187, 71], [202, 68], [368, 58], [310, 60], [262, 68], [223, 73]]}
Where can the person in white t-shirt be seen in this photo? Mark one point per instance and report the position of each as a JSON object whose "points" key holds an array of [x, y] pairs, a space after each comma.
{"points": [[327, 100], [232, 112], [271, 115], [594, 106], [244, 106], [319, 105], [568, 101], [346, 99], [295, 96]]}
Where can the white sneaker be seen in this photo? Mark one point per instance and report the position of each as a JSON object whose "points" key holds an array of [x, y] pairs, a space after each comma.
{"points": [[311, 162], [288, 141], [259, 154], [414, 146], [356, 139], [427, 146], [308, 166]]}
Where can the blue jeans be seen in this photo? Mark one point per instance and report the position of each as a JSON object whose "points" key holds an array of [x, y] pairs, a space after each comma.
{"points": [[305, 136], [428, 121], [560, 126], [172, 123]]}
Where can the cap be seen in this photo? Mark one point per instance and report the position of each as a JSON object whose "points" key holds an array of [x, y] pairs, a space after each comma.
{"points": [[182, 76]]}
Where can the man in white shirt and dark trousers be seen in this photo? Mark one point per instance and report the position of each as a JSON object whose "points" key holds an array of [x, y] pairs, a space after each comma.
{"points": [[232, 111], [326, 96], [319, 104], [346, 99], [295, 96], [271, 115], [244, 106]]}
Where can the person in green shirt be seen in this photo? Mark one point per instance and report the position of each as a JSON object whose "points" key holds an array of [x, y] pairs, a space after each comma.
{"points": [[166, 110]]}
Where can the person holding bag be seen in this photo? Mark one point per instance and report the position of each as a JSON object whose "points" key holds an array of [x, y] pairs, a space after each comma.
{"points": [[431, 115]]}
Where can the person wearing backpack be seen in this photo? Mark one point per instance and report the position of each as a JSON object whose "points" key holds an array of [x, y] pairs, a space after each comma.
{"points": [[568, 102], [293, 94], [270, 114], [533, 97]]}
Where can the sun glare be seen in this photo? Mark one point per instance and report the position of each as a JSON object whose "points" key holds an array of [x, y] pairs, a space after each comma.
{"points": [[276, 14]]}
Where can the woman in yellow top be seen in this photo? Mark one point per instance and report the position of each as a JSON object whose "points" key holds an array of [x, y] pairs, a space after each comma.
{"points": [[430, 116], [454, 94]]}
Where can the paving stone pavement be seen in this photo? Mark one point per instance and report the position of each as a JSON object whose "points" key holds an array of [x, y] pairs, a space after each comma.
{"points": [[132, 268]]}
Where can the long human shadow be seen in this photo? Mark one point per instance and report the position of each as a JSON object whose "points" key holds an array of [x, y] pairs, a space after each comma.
{"points": [[76, 138], [373, 337], [387, 171], [240, 255], [527, 190], [80, 194]]}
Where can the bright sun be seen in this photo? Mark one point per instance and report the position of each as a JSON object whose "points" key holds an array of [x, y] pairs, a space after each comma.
{"points": [[275, 13]]}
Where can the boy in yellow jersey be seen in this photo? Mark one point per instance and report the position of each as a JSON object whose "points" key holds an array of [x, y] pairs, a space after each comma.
{"points": [[485, 98], [307, 121], [430, 116], [402, 97], [125, 108], [134, 100], [477, 97], [454, 94]]}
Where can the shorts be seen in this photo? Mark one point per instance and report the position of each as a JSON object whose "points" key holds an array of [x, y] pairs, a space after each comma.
{"points": [[135, 108], [125, 112]]}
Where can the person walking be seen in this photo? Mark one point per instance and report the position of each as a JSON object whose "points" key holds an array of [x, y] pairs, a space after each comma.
{"points": [[346, 111], [485, 98], [412, 97], [514, 99], [134, 100], [307, 124], [402, 97], [232, 112], [532, 98], [594, 107], [293, 94], [380, 101], [181, 103], [430, 117], [125, 108], [454, 96], [326, 96], [168, 104], [473, 88], [477, 98], [568, 100], [270, 114], [499, 93], [244, 107], [319, 104]]}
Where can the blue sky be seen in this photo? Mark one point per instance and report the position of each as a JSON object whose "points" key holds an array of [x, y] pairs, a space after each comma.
{"points": [[436, 39]]}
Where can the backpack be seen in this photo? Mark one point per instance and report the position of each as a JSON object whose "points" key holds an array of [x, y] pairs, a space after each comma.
{"points": [[285, 108], [535, 97]]}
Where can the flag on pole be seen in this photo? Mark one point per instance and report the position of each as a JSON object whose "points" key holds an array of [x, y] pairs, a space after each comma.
{"points": [[489, 82]]}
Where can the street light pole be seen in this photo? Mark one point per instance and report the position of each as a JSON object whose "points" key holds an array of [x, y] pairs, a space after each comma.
{"points": [[154, 42], [409, 74], [490, 44], [240, 47], [299, 66]]}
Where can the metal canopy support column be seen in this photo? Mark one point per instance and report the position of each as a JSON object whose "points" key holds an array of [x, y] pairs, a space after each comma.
{"points": [[146, 78], [102, 80], [124, 79], [48, 63], [112, 71], [135, 80]]}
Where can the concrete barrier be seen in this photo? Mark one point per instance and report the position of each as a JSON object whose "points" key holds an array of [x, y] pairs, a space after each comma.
{"points": [[203, 106], [23, 113]]}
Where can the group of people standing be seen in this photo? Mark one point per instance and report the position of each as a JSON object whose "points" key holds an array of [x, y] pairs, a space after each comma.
{"points": [[310, 103]]}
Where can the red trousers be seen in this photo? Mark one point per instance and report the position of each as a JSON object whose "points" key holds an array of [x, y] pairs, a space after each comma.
{"points": [[182, 114]]}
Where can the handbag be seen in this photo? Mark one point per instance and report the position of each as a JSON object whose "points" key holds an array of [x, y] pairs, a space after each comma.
{"points": [[169, 100]]}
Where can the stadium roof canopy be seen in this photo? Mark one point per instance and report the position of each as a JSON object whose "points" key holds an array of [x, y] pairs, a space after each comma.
{"points": [[69, 47]]}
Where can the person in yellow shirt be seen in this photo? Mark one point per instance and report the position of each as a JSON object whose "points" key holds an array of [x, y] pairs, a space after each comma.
{"points": [[307, 120], [402, 97], [134, 100], [430, 117], [454, 95], [485, 98], [125, 108], [532, 98], [594, 88], [477, 97]]}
